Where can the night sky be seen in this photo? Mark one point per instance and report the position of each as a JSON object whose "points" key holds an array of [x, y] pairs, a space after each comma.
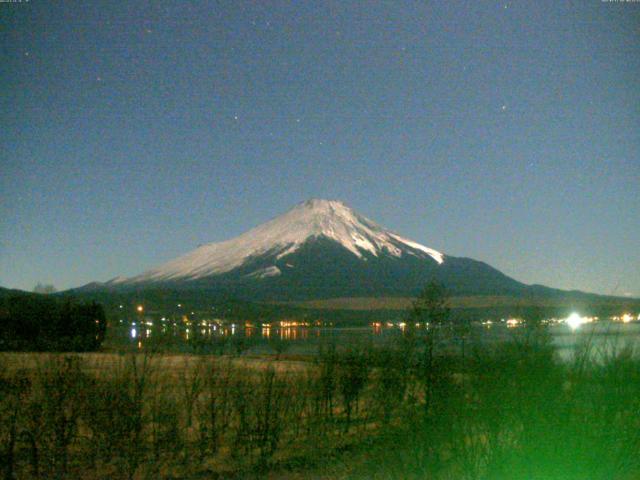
{"points": [[508, 132]]}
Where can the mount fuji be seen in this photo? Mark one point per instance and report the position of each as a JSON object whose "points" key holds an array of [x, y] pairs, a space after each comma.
{"points": [[319, 249]]}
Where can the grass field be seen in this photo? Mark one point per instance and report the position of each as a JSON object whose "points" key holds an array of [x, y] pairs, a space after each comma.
{"points": [[404, 410]]}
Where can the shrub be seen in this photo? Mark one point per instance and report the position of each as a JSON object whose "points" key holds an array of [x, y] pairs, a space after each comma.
{"points": [[43, 323]]}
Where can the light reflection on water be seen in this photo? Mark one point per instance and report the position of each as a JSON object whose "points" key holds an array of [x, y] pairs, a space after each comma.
{"points": [[600, 338], [603, 337]]}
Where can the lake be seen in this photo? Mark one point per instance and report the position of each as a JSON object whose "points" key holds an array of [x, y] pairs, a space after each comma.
{"points": [[603, 337]]}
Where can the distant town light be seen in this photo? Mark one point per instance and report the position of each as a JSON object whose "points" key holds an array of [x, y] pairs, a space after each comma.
{"points": [[574, 321], [140, 308], [626, 318], [133, 333]]}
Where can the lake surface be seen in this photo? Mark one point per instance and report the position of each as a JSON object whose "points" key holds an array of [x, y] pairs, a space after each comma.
{"points": [[603, 338]]}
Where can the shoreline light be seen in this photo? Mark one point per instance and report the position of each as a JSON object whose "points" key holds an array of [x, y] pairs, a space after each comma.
{"points": [[574, 321]]}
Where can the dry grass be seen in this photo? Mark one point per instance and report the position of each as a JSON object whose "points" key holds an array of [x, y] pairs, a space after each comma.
{"points": [[172, 364], [512, 410]]}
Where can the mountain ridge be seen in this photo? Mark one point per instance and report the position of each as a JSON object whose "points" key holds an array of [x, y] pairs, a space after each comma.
{"points": [[282, 236], [322, 249]]}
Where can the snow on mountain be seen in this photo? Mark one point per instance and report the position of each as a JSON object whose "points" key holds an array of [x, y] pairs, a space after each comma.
{"points": [[284, 235], [116, 280], [271, 271]]}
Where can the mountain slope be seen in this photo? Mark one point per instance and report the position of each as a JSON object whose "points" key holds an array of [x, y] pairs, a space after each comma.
{"points": [[283, 236], [319, 249]]}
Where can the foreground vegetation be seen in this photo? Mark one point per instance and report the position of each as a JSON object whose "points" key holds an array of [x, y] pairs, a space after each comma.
{"points": [[412, 409], [33, 322]]}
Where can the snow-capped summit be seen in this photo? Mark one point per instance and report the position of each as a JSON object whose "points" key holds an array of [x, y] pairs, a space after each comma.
{"points": [[317, 250], [320, 249], [284, 235]]}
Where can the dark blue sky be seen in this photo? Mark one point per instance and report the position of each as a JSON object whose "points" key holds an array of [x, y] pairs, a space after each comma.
{"points": [[503, 131]]}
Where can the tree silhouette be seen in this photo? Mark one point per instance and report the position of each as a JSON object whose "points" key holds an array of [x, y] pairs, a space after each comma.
{"points": [[431, 307]]}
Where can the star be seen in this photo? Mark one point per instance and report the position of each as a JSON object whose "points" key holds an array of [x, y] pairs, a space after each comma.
{"points": [[235, 117], [503, 108]]}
